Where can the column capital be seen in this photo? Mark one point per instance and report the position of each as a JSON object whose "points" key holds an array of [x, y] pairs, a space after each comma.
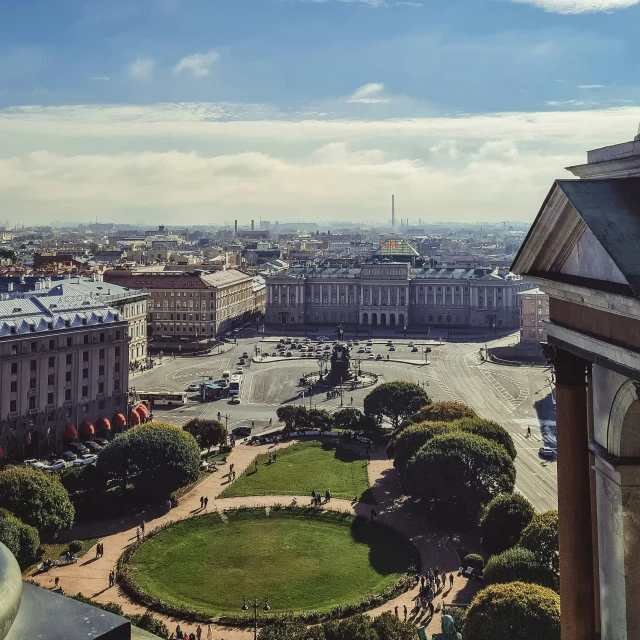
{"points": [[570, 369]]}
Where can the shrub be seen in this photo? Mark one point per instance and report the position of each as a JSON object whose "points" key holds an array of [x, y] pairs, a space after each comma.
{"points": [[408, 441], [149, 623], [503, 521], [20, 538], [541, 537], [462, 471], [489, 430], [75, 546], [513, 610], [474, 561], [36, 498], [521, 565], [395, 401], [158, 455], [388, 627], [444, 412], [208, 433]]}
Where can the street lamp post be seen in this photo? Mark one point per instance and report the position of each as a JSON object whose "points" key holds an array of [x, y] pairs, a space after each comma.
{"points": [[255, 605]]}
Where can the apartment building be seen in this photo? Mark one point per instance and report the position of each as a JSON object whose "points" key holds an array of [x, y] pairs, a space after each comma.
{"points": [[64, 365], [192, 305], [395, 294], [534, 315], [131, 303]]}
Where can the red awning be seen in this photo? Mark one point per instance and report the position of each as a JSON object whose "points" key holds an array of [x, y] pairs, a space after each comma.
{"points": [[134, 417], [142, 410], [69, 432], [103, 424], [119, 421], [86, 428]]}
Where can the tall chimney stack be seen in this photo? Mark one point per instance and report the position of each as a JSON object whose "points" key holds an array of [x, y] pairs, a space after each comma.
{"points": [[252, 225], [235, 226], [393, 211]]}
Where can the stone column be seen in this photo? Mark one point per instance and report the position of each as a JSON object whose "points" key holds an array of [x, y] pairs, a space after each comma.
{"points": [[574, 499]]}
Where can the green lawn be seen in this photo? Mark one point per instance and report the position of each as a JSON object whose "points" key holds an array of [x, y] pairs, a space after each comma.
{"points": [[53, 550], [302, 560], [304, 467]]}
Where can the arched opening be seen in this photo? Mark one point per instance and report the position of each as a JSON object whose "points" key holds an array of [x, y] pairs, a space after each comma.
{"points": [[392, 319], [383, 319], [365, 318], [401, 320], [374, 319], [623, 438]]}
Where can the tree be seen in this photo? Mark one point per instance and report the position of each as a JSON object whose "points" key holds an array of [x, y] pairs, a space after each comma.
{"points": [[156, 454], [395, 401], [408, 441], [513, 610], [474, 561], [503, 521], [460, 470], [444, 412], [388, 627], [489, 430], [293, 416], [347, 418], [208, 433], [36, 498], [319, 419], [21, 539], [519, 564], [541, 537]]}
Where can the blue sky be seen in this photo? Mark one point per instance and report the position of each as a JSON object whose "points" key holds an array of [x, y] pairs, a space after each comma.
{"points": [[221, 104]]}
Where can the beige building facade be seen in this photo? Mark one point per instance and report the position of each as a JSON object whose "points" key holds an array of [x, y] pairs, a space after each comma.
{"points": [[534, 315]]}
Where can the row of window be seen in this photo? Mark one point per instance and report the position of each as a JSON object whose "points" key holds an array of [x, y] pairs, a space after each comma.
{"points": [[33, 364]]}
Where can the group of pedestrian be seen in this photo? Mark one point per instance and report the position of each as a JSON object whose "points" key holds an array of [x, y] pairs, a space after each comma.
{"points": [[430, 585], [316, 498], [112, 578], [99, 550], [185, 635], [332, 393], [204, 501]]}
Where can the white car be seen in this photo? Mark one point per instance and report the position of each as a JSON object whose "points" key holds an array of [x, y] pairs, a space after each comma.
{"points": [[194, 386], [56, 465], [410, 344], [34, 464], [372, 356], [239, 371], [87, 458], [369, 343], [361, 350], [369, 349]]}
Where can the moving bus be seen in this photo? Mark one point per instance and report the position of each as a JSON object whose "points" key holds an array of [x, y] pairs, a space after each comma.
{"points": [[158, 398], [234, 386]]}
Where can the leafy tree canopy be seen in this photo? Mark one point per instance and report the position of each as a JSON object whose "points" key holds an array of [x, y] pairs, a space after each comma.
{"points": [[460, 470], [156, 454], [395, 401], [208, 433], [36, 498], [489, 430], [21, 539], [293, 416], [347, 418], [519, 564], [541, 537], [503, 521], [444, 412], [408, 441], [513, 610]]}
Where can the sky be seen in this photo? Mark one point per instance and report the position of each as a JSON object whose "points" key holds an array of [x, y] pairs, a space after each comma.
{"points": [[204, 111]]}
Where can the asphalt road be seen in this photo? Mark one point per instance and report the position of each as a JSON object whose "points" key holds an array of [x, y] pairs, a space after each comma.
{"points": [[516, 397]]}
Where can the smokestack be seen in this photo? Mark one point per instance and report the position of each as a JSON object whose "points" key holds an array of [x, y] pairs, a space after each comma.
{"points": [[393, 211], [252, 225], [235, 227]]}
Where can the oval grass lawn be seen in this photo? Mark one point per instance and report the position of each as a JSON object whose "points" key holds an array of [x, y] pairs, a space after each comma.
{"points": [[301, 559]]}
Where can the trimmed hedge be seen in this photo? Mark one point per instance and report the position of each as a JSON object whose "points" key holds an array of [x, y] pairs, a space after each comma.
{"points": [[503, 521]]}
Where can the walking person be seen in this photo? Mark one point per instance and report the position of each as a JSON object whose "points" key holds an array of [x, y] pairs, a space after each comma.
{"points": [[199, 632], [202, 502], [327, 495], [404, 608], [528, 432], [431, 609], [138, 534], [396, 611], [206, 501], [142, 527], [451, 580]]}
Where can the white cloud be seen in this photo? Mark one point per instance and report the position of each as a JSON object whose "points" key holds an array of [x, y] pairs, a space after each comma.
{"points": [[103, 78], [199, 64], [368, 94], [580, 6], [591, 86], [190, 162], [142, 68]]}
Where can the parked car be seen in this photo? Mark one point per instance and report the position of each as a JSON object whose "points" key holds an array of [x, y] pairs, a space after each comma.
{"points": [[33, 463], [361, 350], [379, 356], [546, 452], [69, 456], [392, 348], [245, 355], [56, 465], [414, 349], [241, 432], [289, 354], [86, 459], [369, 349], [78, 448], [103, 442], [241, 361], [369, 343], [93, 446], [410, 344], [194, 386], [239, 371], [274, 354], [389, 343], [356, 342], [234, 400]]}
